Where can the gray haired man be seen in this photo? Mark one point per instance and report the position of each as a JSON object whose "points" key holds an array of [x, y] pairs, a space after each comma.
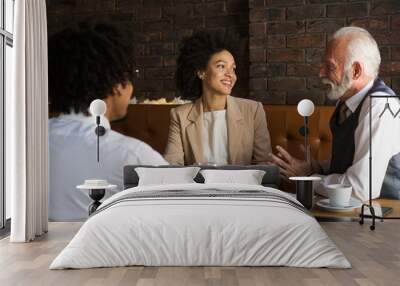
{"points": [[350, 68]]}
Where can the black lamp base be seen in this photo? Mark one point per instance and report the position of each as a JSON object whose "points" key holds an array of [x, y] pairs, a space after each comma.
{"points": [[372, 211], [384, 211], [305, 193], [96, 195]]}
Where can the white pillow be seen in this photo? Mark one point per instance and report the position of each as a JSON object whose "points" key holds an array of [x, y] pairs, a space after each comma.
{"points": [[248, 177], [166, 176]]}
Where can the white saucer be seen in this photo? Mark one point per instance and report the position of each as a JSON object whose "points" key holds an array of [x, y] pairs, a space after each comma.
{"points": [[324, 204]]}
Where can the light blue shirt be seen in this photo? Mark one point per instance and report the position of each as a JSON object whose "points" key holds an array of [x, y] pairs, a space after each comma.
{"points": [[73, 159]]}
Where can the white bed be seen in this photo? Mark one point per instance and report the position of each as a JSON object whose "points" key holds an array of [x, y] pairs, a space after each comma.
{"points": [[245, 228]]}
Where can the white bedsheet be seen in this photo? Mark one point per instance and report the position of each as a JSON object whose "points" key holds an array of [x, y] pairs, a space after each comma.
{"points": [[200, 231]]}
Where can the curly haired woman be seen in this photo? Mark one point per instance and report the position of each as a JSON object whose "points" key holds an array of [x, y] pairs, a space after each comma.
{"points": [[215, 128]]}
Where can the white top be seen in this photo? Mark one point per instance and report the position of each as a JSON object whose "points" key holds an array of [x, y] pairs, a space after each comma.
{"points": [[215, 138], [385, 144], [305, 178], [73, 159]]}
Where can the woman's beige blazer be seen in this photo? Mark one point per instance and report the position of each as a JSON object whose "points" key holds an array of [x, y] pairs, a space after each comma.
{"points": [[248, 136]]}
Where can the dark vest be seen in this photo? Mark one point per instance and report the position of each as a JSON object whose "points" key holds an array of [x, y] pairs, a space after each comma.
{"points": [[343, 141], [343, 146]]}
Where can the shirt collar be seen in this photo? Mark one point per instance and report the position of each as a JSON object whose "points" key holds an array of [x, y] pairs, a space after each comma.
{"points": [[353, 102], [87, 119]]}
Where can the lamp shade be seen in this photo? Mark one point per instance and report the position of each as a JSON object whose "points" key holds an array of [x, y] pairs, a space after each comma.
{"points": [[305, 107], [98, 107]]}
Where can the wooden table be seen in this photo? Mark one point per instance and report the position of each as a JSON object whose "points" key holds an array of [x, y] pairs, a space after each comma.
{"points": [[354, 215]]}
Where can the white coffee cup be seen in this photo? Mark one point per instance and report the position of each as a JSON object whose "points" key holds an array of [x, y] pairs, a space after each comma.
{"points": [[339, 195]]}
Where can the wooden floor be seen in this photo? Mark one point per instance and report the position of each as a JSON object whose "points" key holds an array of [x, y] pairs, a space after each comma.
{"points": [[375, 257]]}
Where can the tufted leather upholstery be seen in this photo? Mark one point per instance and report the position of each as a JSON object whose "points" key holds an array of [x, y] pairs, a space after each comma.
{"points": [[150, 123], [284, 123]]}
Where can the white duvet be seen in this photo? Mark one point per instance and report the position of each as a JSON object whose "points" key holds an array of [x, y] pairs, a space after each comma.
{"points": [[200, 231]]}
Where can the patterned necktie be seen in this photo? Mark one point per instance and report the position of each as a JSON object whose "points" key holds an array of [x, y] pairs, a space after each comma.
{"points": [[344, 112]]}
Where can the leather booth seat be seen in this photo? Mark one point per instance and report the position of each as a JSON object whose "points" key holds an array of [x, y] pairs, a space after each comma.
{"points": [[150, 124]]}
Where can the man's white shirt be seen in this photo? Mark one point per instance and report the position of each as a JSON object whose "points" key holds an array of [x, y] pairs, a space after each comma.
{"points": [[73, 159], [385, 134]]}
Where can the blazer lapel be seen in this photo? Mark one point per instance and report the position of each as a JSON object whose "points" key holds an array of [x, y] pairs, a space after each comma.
{"points": [[194, 130], [234, 123]]}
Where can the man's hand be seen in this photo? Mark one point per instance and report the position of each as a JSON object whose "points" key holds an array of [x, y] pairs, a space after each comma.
{"points": [[289, 165]]}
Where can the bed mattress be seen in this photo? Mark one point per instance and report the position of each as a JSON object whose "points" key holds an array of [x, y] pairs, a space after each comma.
{"points": [[201, 225]]}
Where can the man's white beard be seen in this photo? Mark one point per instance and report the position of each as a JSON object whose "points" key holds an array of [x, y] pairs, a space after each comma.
{"points": [[337, 91]]}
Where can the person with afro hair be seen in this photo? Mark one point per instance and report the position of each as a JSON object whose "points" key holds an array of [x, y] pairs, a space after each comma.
{"points": [[88, 62], [216, 128]]}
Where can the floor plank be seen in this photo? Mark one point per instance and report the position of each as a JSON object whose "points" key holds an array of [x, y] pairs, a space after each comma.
{"points": [[374, 255]]}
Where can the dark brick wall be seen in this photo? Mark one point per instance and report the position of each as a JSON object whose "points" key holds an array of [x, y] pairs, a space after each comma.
{"points": [[158, 26], [288, 37], [281, 41]]}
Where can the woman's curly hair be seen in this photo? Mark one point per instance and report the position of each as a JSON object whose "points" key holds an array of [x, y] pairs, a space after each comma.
{"points": [[86, 62], [195, 52]]}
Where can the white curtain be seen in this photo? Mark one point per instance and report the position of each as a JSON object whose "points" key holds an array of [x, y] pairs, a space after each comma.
{"points": [[26, 124]]}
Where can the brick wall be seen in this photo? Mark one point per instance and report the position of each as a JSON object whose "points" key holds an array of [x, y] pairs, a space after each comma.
{"points": [[288, 37], [281, 40], [158, 27]]}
